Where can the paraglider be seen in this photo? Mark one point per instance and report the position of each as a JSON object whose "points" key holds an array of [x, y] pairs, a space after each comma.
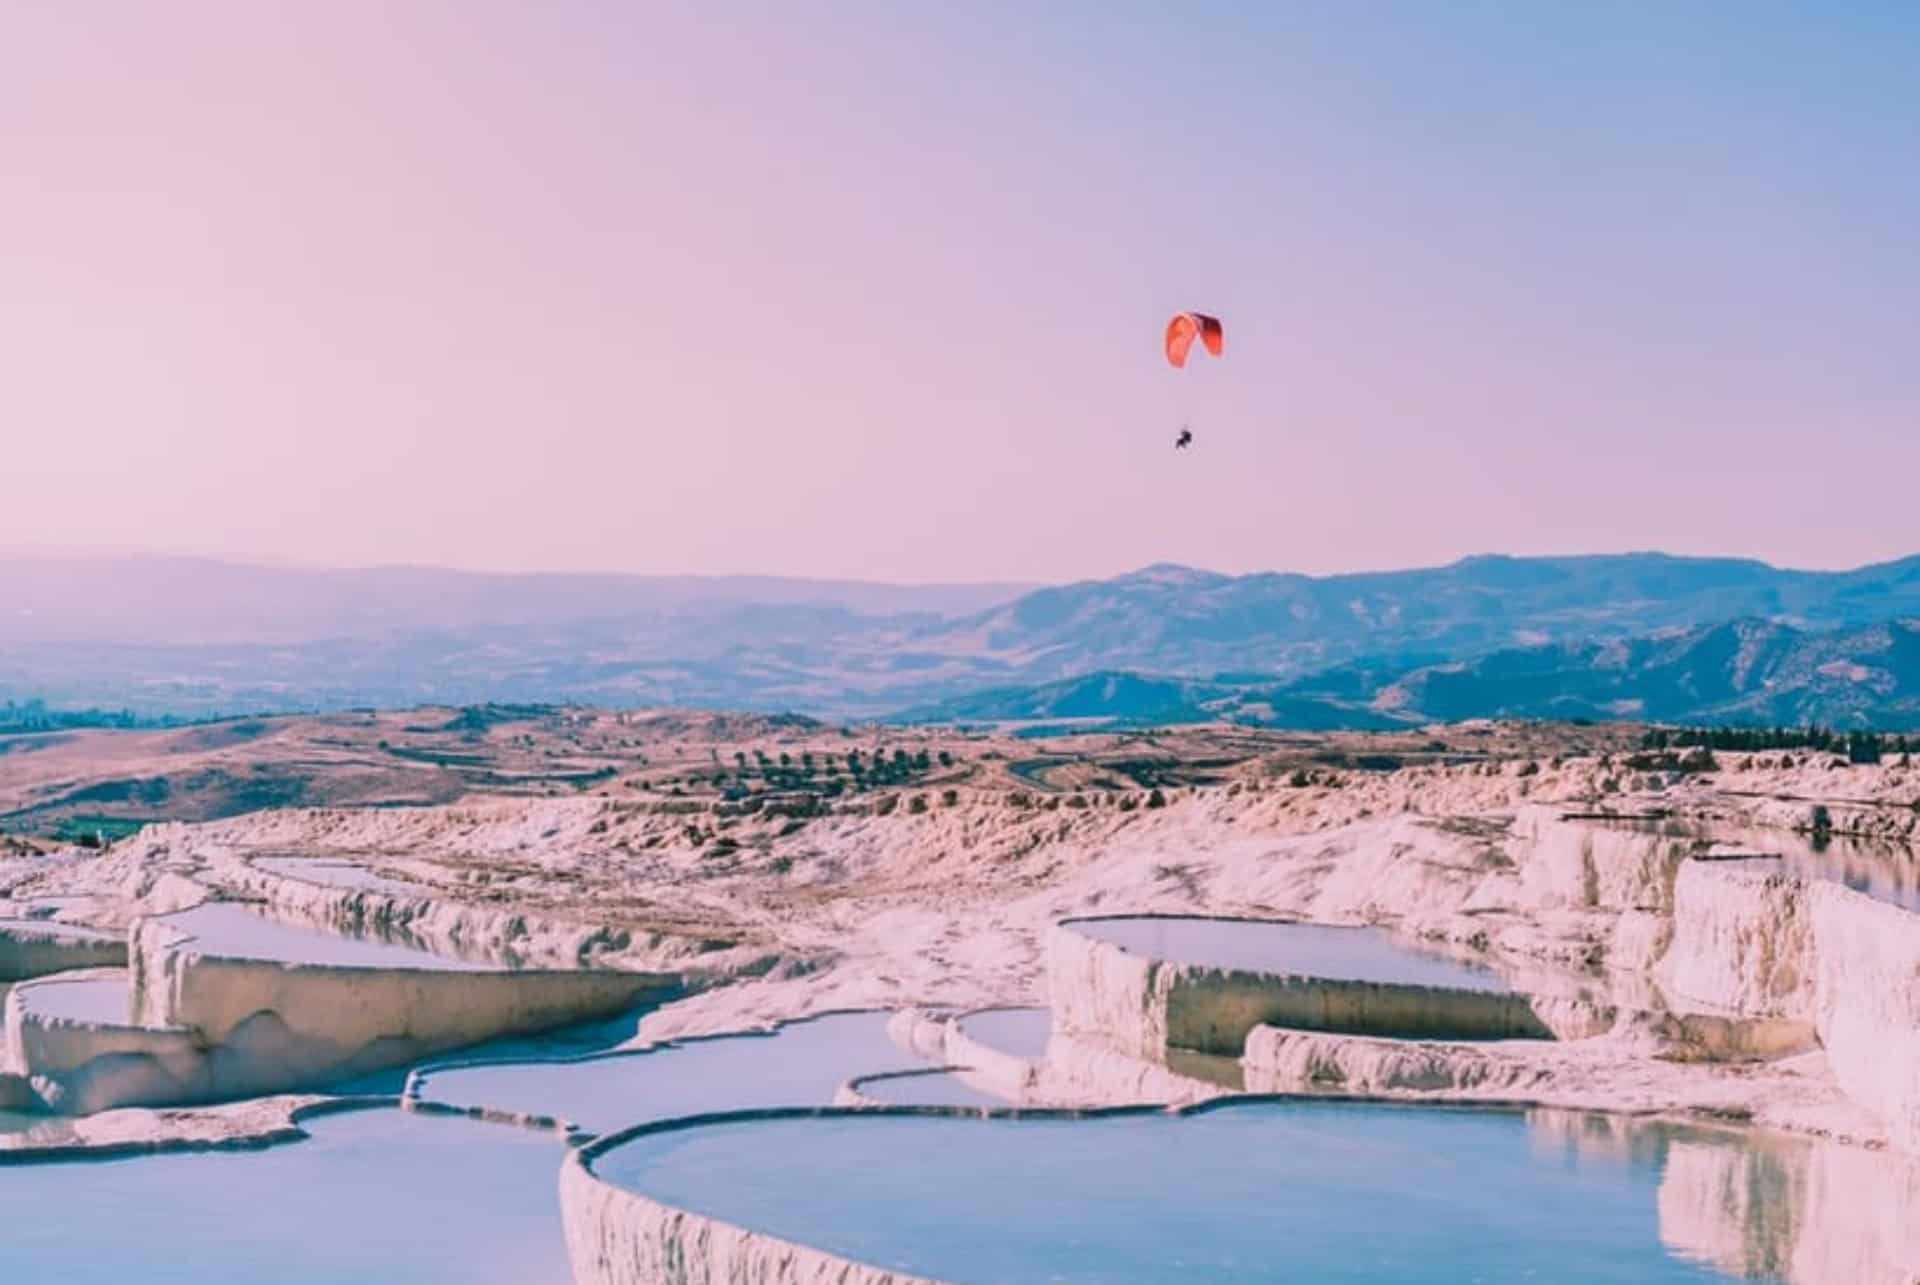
{"points": [[1188, 326], [1182, 330]]}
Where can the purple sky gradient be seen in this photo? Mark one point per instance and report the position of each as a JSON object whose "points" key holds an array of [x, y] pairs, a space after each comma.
{"points": [[875, 289]]}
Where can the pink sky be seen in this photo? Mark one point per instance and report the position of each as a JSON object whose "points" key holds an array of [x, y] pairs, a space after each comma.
{"points": [[874, 289]]}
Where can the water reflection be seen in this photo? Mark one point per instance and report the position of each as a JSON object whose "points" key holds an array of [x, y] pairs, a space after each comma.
{"points": [[1313, 1191], [1884, 871], [1758, 1205]]}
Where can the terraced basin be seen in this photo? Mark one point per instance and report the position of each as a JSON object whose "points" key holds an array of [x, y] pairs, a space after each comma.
{"points": [[237, 930], [372, 1195], [1307, 1191], [1148, 984], [803, 1063], [1274, 946]]}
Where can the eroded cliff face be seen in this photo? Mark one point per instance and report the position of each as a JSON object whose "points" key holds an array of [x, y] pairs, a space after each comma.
{"points": [[1743, 940], [1764, 942], [1866, 998]]}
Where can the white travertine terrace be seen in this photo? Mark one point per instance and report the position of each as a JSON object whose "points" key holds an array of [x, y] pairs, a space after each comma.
{"points": [[78, 1066], [1787, 947], [620, 1237], [1146, 1006], [1652, 970], [1750, 1203], [208, 1024], [36, 947], [1006, 1074]]}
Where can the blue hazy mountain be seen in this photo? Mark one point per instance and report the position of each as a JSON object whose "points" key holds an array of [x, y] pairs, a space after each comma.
{"points": [[1484, 634]]}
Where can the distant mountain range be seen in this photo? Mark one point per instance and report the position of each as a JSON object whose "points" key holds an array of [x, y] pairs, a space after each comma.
{"points": [[1639, 634], [1744, 671]]}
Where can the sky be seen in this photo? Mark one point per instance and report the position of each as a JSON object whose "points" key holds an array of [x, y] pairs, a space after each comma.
{"points": [[875, 288]]}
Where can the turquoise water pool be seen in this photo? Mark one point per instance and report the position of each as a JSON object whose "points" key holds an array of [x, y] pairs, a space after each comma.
{"points": [[43, 926], [245, 932], [1023, 1032], [105, 1001], [390, 1195], [1297, 1192], [927, 1089], [803, 1065], [377, 1195], [1307, 950]]}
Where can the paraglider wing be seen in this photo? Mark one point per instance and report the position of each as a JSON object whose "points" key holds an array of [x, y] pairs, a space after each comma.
{"points": [[1185, 328]]}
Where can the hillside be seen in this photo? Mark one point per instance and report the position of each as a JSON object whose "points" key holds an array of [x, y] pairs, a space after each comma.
{"points": [[1743, 671], [176, 636]]}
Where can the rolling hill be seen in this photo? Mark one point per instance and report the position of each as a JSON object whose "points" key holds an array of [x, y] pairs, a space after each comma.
{"points": [[1741, 671], [185, 636]]}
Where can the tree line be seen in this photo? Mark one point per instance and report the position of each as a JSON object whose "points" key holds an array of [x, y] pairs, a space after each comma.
{"points": [[1858, 746], [36, 716]]}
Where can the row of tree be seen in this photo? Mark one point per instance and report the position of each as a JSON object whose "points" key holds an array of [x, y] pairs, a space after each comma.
{"points": [[1858, 746], [36, 716], [832, 773]]}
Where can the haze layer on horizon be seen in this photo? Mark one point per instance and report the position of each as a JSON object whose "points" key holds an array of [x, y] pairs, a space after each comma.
{"points": [[873, 291]]}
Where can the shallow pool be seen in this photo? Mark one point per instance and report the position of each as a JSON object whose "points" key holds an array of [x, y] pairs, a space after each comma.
{"points": [[106, 1001], [388, 1195], [55, 928], [375, 1195], [804, 1064], [1309, 1192], [927, 1089], [245, 932], [1308, 950], [36, 907], [1023, 1032]]}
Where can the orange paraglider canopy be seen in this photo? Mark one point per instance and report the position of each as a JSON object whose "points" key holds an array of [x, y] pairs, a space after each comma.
{"points": [[1182, 330]]}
